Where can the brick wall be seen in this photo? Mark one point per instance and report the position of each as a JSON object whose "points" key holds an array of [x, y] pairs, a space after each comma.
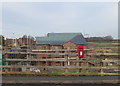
{"points": [[70, 45], [43, 47], [50, 47]]}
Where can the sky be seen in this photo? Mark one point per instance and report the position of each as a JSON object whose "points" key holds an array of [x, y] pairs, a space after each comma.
{"points": [[39, 18]]}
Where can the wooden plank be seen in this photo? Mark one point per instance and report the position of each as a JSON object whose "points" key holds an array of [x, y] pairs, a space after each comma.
{"points": [[59, 50], [40, 73], [57, 67], [57, 53], [40, 53], [53, 60]]}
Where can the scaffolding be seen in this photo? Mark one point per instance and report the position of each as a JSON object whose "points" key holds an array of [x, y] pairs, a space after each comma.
{"points": [[80, 63]]}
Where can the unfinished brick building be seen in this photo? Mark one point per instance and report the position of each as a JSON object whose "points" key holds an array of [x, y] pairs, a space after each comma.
{"points": [[56, 45]]}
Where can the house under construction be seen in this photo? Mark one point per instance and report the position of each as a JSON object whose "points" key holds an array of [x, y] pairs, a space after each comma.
{"points": [[59, 43], [55, 49]]}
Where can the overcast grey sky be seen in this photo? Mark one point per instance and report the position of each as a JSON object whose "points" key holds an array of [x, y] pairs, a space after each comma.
{"points": [[39, 18]]}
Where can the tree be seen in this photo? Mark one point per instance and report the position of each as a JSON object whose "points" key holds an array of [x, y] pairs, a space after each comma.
{"points": [[109, 37]]}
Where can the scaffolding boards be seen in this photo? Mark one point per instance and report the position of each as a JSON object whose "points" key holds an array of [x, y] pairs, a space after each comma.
{"points": [[59, 52]]}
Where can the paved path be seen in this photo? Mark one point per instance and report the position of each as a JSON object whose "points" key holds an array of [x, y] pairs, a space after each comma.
{"points": [[60, 79]]}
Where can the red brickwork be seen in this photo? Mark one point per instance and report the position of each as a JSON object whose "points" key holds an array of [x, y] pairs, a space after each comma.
{"points": [[67, 45]]}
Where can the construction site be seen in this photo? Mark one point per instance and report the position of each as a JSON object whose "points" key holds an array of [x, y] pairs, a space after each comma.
{"points": [[59, 53]]}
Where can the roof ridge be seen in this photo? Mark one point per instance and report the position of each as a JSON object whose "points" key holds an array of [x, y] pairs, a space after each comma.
{"points": [[59, 38]]}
